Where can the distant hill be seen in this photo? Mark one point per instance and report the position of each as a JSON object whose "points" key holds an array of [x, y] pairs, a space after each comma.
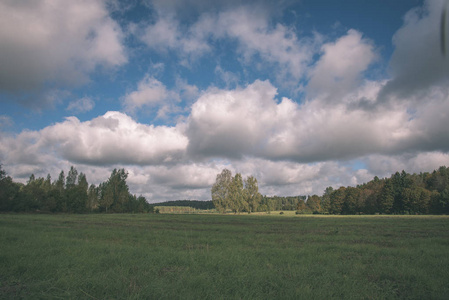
{"points": [[188, 203]]}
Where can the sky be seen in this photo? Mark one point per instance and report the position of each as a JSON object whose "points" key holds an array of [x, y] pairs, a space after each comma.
{"points": [[302, 95]]}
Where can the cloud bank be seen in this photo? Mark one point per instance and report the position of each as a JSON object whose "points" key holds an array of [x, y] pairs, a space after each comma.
{"points": [[347, 128]]}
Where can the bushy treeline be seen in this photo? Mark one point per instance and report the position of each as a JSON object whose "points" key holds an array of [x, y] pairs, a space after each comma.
{"points": [[70, 194], [280, 203], [402, 193], [197, 204]]}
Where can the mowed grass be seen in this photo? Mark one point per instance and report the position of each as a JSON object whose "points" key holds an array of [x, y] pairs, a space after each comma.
{"points": [[223, 257]]}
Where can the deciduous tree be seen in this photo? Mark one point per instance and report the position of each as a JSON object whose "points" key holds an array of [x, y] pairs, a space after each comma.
{"points": [[252, 194], [220, 190]]}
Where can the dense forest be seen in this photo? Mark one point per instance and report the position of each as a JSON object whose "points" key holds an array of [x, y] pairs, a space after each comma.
{"points": [[70, 194], [402, 193]]}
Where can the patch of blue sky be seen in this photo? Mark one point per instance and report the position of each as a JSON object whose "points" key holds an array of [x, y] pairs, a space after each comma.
{"points": [[358, 165]]}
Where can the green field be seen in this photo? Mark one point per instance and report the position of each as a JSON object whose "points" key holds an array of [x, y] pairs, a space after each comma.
{"points": [[162, 256]]}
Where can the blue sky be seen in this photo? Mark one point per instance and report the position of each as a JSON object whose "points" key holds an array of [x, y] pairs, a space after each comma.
{"points": [[301, 94]]}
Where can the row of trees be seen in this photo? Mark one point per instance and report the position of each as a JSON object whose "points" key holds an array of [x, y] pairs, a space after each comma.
{"points": [[197, 204], [280, 203], [402, 193], [235, 194], [70, 194]]}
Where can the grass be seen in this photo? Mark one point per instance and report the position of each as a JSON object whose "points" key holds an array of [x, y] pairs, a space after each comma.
{"points": [[183, 210], [223, 257]]}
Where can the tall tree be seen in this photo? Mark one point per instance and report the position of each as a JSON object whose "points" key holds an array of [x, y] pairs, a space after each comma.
{"points": [[386, 199], [107, 196], [78, 194], [336, 201], [301, 206], [8, 192], [71, 178], [351, 203], [82, 182], [314, 203], [326, 199], [115, 191], [92, 198], [252, 194], [59, 193], [237, 195], [220, 190], [60, 183]]}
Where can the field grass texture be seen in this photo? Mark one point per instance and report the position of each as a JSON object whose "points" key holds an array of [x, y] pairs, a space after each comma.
{"points": [[165, 256]]}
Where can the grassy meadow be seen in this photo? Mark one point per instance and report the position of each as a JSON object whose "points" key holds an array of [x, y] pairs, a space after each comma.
{"points": [[176, 256]]}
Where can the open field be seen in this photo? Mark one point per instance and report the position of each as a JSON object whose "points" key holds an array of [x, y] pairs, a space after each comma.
{"points": [[223, 257]]}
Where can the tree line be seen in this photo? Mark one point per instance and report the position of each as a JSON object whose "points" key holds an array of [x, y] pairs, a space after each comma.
{"points": [[70, 194], [197, 204], [402, 193]]}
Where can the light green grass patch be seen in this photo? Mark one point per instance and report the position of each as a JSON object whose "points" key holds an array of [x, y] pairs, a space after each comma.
{"points": [[176, 256]]}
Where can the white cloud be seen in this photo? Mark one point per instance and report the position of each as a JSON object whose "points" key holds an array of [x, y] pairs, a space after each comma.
{"points": [[187, 175], [185, 90], [277, 45], [163, 34], [153, 94], [55, 42], [384, 166], [159, 168], [250, 122], [292, 148], [84, 104], [114, 138], [150, 92], [339, 69], [250, 26], [417, 63], [231, 123], [167, 34]]}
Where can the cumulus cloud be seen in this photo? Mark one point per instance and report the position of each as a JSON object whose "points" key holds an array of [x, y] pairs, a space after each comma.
{"points": [[153, 94], [150, 92], [160, 169], [113, 138], [231, 123], [339, 70], [55, 43], [417, 63], [187, 175], [251, 122], [292, 148]]}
